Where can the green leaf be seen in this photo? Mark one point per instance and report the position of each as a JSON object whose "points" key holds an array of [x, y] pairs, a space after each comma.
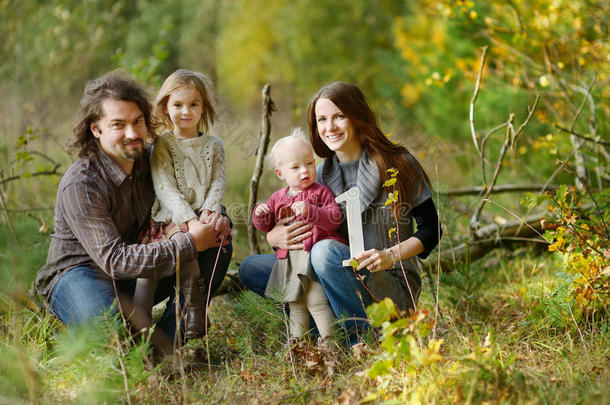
{"points": [[21, 141], [380, 368], [353, 262], [532, 200], [381, 312]]}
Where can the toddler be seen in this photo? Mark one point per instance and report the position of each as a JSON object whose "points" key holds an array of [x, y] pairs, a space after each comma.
{"points": [[292, 275]]}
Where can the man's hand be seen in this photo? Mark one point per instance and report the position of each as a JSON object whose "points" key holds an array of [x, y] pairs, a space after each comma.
{"points": [[204, 235], [287, 235]]}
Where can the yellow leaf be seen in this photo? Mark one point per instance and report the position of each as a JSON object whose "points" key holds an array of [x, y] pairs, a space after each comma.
{"points": [[353, 262], [390, 232], [393, 172], [390, 182]]}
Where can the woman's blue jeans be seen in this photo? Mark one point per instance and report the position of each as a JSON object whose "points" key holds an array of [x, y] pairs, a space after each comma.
{"points": [[347, 297]]}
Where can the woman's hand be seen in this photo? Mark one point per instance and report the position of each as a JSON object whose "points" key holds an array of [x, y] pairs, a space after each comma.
{"points": [[287, 235], [374, 260]]}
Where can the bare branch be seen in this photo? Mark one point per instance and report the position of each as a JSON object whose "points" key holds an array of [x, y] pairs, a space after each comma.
{"points": [[502, 188], [474, 99], [268, 107], [530, 113], [511, 136], [50, 172], [475, 218], [490, 237], [483, 143], [579, 135]]}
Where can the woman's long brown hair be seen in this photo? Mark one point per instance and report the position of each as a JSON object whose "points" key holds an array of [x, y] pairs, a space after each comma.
{"points": [[352, 103]]}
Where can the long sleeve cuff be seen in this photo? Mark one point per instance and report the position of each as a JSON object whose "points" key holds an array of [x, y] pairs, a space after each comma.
{"points": [[186, 246]]}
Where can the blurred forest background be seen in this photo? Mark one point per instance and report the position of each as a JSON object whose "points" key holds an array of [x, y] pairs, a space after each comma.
{"points": [[539, 119]]}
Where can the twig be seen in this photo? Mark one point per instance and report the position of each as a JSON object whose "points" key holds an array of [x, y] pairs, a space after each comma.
{"points": [[268, 107], [56, 166], [511, 137], [482, 155], [8, 219], [207, 303], [402, 267], [474, 99], [361, 280], [475, 218], [178, 335], [530, 113], [579, 135], [555, 173], [120, 355], [286, 321], [438, 264]]}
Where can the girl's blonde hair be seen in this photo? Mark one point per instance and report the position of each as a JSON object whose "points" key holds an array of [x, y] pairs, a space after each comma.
{"points": [[296, 134], [182, 78]]}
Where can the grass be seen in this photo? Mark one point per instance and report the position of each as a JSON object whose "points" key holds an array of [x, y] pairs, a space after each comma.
{"points": [[508, 333], [506, 339]]}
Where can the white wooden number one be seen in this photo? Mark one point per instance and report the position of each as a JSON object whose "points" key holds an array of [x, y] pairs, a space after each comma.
{"points": [[354, 221]]}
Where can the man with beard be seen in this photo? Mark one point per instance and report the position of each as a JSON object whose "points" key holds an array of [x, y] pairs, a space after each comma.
{"points": [[103, 206]]}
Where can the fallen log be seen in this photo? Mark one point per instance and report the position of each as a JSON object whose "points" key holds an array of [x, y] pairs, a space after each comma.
{"points": [[488, 238], [501, 188]]}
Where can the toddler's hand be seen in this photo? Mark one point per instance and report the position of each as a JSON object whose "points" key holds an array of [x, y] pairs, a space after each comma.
{"points": [[300, 208], [262, 210]]}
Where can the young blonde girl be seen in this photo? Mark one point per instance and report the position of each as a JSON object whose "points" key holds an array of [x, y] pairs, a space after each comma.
{"points": [[188, 172]]}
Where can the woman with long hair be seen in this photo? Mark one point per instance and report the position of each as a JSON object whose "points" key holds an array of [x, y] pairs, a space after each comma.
{"points": [[344, 131]]}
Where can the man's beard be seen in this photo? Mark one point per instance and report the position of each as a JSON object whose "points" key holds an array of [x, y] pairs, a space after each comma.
{"points": [[135, 154]]}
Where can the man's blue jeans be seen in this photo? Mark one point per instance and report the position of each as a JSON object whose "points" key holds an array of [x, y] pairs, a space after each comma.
{"points": [[82, 293], [347, 297]]}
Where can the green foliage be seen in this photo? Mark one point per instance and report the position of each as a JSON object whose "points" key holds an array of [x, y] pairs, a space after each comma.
{"points": [[266, 321], [402, 340], [493, 374]]}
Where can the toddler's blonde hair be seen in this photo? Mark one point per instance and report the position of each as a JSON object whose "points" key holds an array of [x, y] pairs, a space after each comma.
{"points": [[297, 134]]}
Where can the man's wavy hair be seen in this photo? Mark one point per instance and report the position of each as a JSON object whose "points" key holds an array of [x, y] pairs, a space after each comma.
{"points": [[115, 85]]}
